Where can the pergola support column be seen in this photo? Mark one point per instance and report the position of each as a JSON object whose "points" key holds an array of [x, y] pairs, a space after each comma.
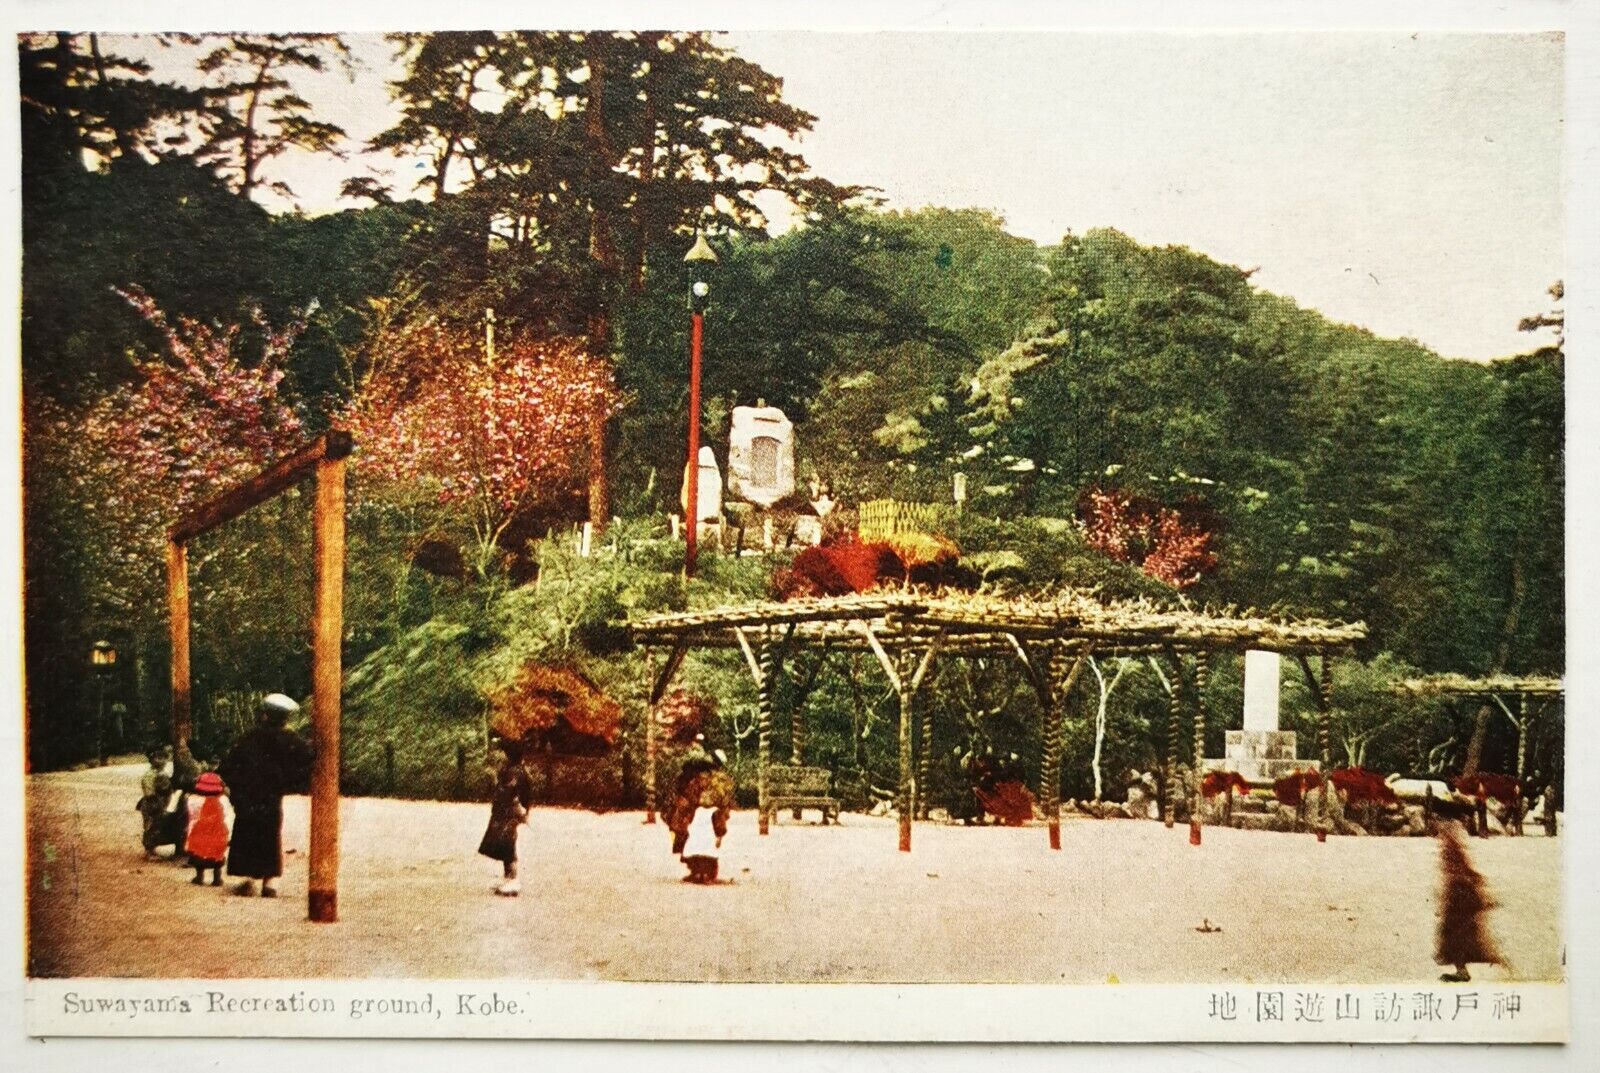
{"points": [[1202, 672], [650, 738], [906, 675], [658, 689], [1174, 716], [1324, 739], [1063, 673]]}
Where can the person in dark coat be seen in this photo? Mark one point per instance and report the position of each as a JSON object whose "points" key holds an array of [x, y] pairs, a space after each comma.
{"points": [[1463, 900], [264, 765], [508, 811]]}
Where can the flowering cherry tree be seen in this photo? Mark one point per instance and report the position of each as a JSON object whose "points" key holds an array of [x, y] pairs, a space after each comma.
{"points": [[191, 420], [488, 439], [1172, 545]]}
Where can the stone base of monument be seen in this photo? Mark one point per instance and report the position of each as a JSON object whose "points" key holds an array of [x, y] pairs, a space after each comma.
{"points": [[1260, 756]]}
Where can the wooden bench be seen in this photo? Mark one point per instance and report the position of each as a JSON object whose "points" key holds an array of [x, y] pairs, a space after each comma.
{"points": [[798, 788]]}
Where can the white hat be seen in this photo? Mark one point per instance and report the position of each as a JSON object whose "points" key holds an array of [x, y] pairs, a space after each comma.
{"points": [[279, 704]]}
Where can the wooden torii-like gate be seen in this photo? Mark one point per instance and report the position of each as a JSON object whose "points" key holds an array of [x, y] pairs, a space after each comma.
{"points": [[325, 460], [1049, 636]]}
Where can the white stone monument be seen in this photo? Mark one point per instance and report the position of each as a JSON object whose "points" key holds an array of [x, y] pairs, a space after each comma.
{"points": [[709, 491], [760, 454], [1261, 752]]}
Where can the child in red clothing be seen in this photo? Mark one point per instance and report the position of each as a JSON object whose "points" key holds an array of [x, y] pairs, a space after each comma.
{"points": [[210, 825]]}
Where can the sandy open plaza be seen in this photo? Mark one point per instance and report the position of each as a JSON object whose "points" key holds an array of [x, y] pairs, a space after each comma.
{"points": [[1121, 901]]}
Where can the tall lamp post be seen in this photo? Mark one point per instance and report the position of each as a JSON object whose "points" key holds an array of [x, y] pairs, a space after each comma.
{"points": [[102, 657], [700, 259]]}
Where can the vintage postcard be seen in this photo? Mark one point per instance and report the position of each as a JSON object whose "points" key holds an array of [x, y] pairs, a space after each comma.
{"points": [[945, 535]]}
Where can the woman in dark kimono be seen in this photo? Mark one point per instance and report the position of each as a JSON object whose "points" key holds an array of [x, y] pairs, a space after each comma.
{"points": [[508, 811], [264, 765]]}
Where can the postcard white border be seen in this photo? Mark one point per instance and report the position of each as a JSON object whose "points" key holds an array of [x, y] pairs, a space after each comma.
{"points": [[1582, 875], [1433, 1013]]}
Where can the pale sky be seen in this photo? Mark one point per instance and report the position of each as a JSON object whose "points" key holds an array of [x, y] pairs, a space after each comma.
{"points": [[1411, 184]]}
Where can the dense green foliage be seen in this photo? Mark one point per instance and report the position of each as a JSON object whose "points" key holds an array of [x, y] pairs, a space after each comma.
{"points": [[1345, 475]]}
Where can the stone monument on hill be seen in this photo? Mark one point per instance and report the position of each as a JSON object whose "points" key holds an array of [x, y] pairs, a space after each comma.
{"points": [[760, 454]]}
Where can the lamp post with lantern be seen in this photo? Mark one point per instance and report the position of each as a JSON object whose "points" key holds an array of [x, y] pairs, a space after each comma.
{"points": [[700, 260], [103, 659]]}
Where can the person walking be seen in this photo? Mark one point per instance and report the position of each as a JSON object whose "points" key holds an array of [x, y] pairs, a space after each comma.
{"points": [[508, 811], [269, 762], [1463, 901]]}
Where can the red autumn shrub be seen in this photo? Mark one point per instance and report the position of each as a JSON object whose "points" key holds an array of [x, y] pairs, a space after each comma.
{"points": [[1485, 785], [837, 570], [558, 705], [1359, 786], [1219, 782], [1291, 789], [1009, 802]]}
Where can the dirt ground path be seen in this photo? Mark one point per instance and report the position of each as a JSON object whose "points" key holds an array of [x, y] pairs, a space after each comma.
{"points": [[603, 900]]}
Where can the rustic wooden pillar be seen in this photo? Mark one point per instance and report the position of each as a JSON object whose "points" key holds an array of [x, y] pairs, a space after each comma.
{"points": [[1202, 671], [925, 763], [650, 737], [764, 685], [1324, 741], [1174, 714], [1060, 672], [178, 631], [797, 735], [908, 786], [1522, 735], [327, 675]]}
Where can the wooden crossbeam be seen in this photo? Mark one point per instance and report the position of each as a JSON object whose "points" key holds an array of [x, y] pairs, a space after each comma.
{"points": [[280, 475]]}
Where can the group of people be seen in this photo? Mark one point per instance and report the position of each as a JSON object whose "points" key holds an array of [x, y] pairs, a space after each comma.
{"points": [[697, 815], [232, 816]]}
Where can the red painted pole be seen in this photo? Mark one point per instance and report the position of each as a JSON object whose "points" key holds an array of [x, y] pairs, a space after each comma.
{"points": [[692, 478]]}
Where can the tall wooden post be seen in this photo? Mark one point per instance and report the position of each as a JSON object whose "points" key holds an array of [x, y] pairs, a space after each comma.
{"points": [[908, 783], [764, 685], [1324, 740], [797, 734], [178, 628], [1522, 735], [925, 763], [650, 738], [327, 675], [1202, 671], [1174, 713], [1062, 673]]}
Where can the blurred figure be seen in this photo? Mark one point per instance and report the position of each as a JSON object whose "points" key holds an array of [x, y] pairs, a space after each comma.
{"points": [[712, 795], [155, 797], [1464, 899]]}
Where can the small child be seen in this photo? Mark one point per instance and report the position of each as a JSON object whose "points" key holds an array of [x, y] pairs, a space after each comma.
{"points": [[508, 811], [210, 824], [713, 799], [155, 794]]}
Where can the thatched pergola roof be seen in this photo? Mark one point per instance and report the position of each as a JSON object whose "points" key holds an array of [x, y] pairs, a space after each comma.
{"points": [[1050, 635], [979, 623], [1499, 685]]}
